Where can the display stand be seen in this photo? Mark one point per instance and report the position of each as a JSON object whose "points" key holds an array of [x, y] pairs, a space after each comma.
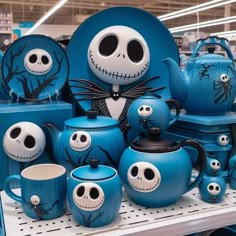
{"points": [[188, 215]]}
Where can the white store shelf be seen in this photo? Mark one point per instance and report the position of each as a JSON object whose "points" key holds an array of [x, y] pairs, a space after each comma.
{"points": [[188, 215]]}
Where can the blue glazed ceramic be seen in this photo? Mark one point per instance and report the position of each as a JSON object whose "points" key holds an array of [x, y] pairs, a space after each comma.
{"points": [[213, 167], [212, 188], [86, 137], [156, 172], [43, 191], [232, 172], [148, 111], [208, 85], [35, 67], [118, 59], [94, 194]]}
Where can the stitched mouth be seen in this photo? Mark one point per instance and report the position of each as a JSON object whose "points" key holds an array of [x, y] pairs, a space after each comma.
{"points": [[36, 72], [80, 149], [88, 208], [116, 74], [23, 158], [145, 189]]}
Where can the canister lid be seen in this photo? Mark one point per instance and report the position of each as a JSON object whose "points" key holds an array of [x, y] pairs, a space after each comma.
{"points": [[94, 171], [91, 121]]}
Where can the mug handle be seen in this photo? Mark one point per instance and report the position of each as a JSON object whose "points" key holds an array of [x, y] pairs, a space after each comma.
{"points": [[8, 190], [175, 104], [201, 158]]}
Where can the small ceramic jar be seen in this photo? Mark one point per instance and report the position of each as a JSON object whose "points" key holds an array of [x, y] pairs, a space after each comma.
{"points": [[94, 194]]}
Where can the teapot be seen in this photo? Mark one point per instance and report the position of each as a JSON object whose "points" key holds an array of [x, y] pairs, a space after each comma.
{"points": [[86, 136], [156, 172], [147, 111], [94, 194], [208, 84]]}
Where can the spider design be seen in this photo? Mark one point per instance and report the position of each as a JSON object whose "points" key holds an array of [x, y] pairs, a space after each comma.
{"points": [[223, 88], [146, 122]]}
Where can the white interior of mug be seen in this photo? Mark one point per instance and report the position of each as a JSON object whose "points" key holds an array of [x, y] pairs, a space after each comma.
{"points": [[43, 171]]}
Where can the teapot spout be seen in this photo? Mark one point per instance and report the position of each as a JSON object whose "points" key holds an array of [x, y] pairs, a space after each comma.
{"points": [[177, 81]]}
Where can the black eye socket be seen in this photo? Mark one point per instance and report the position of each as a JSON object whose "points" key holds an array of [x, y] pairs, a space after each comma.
{"points": [[148, 108], [135, 51], [45, 60], [141, 109], [213, 163], [94, 193], [134, 171], [29, 141], [149, 174], [15, 132], [218, 164], [80, 191], [108, 45], [211, 187], [74, 137], [217, 188], [83, 138], [33, 58]]}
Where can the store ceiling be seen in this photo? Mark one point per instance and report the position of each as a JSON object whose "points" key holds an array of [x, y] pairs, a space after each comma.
{"points": [[75, 11]]}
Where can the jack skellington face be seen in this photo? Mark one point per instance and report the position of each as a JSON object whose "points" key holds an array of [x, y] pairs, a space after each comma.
{"points": [[215, 165], [24, 141], [118, 55], [38, 61], [80, 141], [143, 177], [35, 200], [213, 188], [145, 111], [88, 196], [223, 140]]}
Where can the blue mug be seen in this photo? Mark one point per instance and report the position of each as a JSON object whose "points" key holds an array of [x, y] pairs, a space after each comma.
{"points": [[43, 190]]}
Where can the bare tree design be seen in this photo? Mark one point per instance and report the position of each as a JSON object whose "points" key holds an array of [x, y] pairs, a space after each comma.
{"points": [[32, 93], [87, 221], [10, 67]]}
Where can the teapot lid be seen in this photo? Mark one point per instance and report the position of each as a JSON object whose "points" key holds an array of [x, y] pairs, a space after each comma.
{"points": [[91, 121], [153, 143], [94, 171], [211, 55]]}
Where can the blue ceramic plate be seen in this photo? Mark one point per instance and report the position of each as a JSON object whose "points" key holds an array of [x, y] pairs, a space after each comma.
{"points": [[160, 42], [35, 67]]}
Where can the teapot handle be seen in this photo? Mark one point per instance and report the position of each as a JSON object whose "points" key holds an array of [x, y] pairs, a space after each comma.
{"points": [[201, 159], [172, 103], [224, 43]]}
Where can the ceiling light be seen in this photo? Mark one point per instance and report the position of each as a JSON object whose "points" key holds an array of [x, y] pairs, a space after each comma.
{"points": [[194, 9], [203, 24], [47, 15], [224, 33]]}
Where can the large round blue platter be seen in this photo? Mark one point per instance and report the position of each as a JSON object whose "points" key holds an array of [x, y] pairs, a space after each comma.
{"points": [[97, 48], [35, 67]]}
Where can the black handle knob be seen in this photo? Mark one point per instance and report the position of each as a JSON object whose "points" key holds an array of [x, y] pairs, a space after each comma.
{"points": [[211, 49], [93, 163], [92, 114]]}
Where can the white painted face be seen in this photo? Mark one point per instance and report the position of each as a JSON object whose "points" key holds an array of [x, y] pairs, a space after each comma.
{"points": [[145, 111], [24, 141], [215, 165], [143, 177], [35, 200], [80, 141], [88, 196], [118, 55], [38, 61], [224, 78], [213, 188], [223, 140]]}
